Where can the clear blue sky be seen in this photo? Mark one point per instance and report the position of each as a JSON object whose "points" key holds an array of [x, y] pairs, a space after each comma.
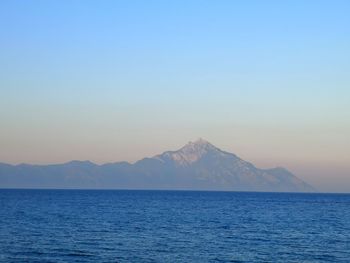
{"points": [[120, 80]]}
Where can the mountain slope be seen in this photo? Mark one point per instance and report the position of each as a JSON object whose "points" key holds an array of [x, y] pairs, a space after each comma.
{"points": [[202, 165], [198, 165]]}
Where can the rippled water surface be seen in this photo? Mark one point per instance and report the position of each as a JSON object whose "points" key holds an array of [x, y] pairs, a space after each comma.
{"points": [[172, 226]]}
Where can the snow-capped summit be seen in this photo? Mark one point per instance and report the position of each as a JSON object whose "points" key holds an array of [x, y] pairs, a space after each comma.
{"points": [[190, 153], [199, 145]]}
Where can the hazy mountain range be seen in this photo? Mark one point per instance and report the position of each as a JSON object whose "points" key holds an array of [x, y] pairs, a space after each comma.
{"points": [[198, 165]]}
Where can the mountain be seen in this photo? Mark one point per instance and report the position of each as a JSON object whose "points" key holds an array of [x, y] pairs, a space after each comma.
{"points": [[198, 165]]}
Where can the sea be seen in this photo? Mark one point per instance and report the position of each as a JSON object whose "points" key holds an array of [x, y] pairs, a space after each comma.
{"points": [[172, 226]]}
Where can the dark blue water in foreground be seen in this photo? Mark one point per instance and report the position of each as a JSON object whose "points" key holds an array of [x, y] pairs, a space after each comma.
{"points": [[172, 226]]}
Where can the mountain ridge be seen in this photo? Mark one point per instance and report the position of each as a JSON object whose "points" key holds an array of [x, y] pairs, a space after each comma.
{"points": [[198, 165]]}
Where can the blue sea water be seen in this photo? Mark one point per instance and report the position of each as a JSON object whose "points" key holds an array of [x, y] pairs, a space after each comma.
{"points": [[173, 226]]}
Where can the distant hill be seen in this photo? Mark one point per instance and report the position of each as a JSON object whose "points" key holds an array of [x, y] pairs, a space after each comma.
{"points": [[198, 165]]}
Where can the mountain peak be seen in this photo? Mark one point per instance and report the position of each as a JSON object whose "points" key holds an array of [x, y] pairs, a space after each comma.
{"points": [[199, 144], [201, 141], [190, 153], [197, 147]]}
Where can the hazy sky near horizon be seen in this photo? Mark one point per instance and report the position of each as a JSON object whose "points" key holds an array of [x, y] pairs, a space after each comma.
{"points": [[120, 80]]}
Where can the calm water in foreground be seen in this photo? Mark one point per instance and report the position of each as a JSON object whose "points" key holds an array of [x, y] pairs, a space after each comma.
{"points": [[172, 226]]}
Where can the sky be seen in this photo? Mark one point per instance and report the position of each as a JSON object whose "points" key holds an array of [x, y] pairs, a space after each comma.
{"points": [[110, 81]]}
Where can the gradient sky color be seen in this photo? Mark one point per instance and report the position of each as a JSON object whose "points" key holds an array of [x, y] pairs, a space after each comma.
{"points": [[120, 80]]}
